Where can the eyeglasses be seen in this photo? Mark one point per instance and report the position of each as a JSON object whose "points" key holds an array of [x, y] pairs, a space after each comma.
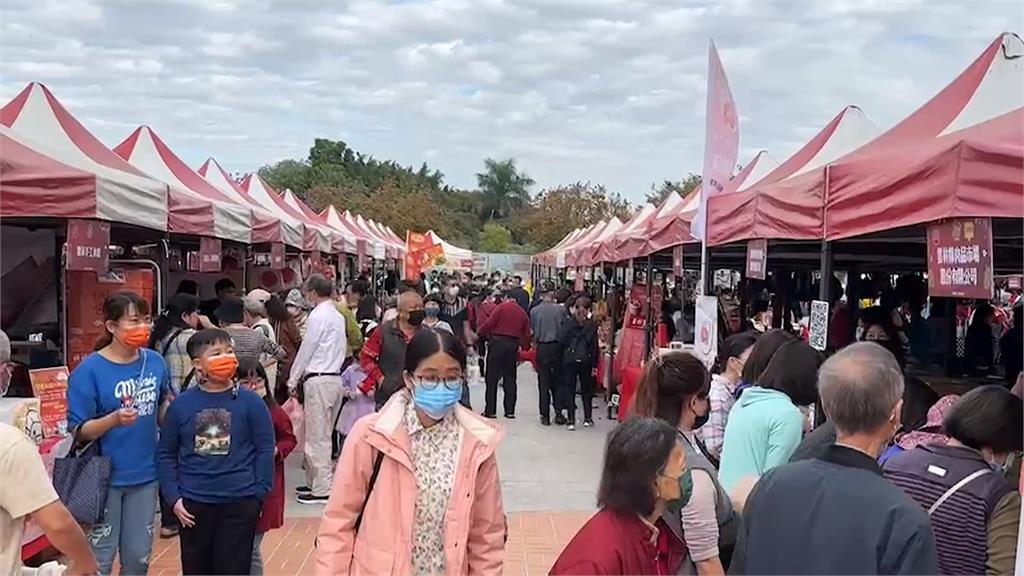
{"points": [[433, 383]]}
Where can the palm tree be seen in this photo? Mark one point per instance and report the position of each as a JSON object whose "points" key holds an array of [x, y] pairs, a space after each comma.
{"points": [[503, 187]]}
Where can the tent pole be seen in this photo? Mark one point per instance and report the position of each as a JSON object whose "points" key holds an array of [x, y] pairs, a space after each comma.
{"points": [[704, 284], [825, 287], [649, 323]]}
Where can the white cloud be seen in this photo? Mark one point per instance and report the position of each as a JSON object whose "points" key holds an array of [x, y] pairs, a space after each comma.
{"points": [[600, 90]]}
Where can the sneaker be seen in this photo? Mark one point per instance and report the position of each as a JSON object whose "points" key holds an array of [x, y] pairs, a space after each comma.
{"points": [[490, 416], [510, 416], [308, 498], [168, 532], [560, 419], [303, 490], [571, 426], [588, 423]]}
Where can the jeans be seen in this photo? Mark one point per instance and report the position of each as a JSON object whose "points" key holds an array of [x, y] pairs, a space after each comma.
{"points": [[221, 542], [126, 529], [257, 556]]}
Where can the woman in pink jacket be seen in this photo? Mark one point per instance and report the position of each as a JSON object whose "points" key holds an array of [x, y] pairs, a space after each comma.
{"points": [[417, 488]]}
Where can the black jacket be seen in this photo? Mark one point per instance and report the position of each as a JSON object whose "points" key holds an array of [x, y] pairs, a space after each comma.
{"points": [[579, 341], [837, 515]]}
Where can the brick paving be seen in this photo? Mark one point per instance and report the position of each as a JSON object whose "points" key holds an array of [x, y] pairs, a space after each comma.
{"points": [[534, 541], [549, 479]]}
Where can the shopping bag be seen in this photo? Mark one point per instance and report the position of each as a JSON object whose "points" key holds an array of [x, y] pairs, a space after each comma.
{"points": [[82, 480], [294, 411]]}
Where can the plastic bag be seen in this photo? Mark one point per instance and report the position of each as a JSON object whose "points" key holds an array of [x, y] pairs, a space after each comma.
{"points": [[294, 411], [473, 376]]}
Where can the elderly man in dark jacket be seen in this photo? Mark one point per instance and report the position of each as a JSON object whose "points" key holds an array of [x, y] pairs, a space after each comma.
{"points": [[837, 514]]}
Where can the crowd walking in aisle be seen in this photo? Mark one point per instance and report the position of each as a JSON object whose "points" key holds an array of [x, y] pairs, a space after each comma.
{"points": [[696, 479]]}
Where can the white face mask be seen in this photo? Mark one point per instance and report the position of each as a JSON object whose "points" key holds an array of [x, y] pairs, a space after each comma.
{"points": [[453, 290]]}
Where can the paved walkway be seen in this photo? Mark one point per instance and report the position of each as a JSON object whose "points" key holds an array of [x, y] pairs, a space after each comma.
{"points": [[549, 480]]}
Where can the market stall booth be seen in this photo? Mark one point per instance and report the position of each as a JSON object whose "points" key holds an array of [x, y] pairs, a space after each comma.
{"points": [[282, 230]]}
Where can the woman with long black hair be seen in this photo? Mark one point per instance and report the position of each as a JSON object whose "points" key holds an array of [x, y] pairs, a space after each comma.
{"points": [[287, 333], [171, 331]]}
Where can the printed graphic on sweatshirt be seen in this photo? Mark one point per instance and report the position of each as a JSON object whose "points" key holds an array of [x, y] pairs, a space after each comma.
{"points": [[213, 432], [141, 394]]}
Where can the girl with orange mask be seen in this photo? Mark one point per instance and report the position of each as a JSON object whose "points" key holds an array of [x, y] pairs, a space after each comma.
{"points": [[114, 397]]}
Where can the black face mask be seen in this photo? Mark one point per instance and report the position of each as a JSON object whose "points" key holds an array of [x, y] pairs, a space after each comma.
{"points": [[416, 317], [702, 419]]}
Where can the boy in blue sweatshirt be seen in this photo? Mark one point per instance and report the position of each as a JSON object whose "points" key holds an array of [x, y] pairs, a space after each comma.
{"points": [[216, 461]]}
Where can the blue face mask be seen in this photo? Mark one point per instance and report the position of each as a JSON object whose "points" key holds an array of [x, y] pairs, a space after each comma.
{"points": [[437, 402]]}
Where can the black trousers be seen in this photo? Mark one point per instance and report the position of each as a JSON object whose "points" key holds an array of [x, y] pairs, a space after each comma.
{"points": [[502, 356], [221, 541], [167, 517], [584, 373], [549, 362]]}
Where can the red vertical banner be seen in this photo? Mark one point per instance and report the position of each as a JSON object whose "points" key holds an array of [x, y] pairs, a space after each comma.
{"points": [[209, 254], [677, 260], [277, 256], [579, 286], [757, 258], [360, 255], [88, 246], [960, 258]]}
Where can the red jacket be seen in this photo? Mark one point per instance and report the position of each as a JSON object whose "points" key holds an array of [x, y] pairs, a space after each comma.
{"points": [[613, 543], [273, 505]]}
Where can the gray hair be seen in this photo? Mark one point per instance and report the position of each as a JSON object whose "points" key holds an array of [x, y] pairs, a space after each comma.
{"points": [[5, 347], [859, 387], [254, 307], [320, 284]]}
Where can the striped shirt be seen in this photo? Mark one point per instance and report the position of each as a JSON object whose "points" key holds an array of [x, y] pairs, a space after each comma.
{"points": [[249, 344]]}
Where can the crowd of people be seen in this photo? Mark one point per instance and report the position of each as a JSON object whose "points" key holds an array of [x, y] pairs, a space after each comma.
{"points": [[714, 471]]}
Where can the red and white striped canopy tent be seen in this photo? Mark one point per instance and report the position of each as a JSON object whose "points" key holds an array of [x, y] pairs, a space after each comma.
{"points": [[779, 205], [340, 242], [546, 258], [396, 249], [375, 246], [629, 242], [122, 193], [34, 184], [284, 231], [334, 219], [565, 256], [455, 258], [557, 256], [958, 155], [590, 255], [147, 152], [670, 226], [314, 237]]}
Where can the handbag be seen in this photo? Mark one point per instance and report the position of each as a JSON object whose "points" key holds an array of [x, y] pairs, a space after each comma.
{"points": [[82, 480]]}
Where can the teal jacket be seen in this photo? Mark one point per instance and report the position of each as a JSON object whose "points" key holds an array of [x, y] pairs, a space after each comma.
{"points": [[764, 429]]}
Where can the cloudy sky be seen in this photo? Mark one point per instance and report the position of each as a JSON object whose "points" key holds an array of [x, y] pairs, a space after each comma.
{"points": [[610, 91]]}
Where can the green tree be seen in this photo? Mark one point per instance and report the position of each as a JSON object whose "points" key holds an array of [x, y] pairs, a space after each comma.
{"points": [[559, 210], [684, 187], [290, 174], [504, 188], [494, 238]]}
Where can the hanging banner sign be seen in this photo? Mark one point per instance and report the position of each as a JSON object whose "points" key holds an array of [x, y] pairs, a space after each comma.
{"points": [[209, 254], [960, 258], [706, 329], [757, 258], [677, 260], [361, 254], [88, 246], [818, 330], [277, 256]]}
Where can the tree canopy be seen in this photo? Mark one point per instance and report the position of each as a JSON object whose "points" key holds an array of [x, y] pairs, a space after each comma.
{"points": [[683, 187], [501, 215]]}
